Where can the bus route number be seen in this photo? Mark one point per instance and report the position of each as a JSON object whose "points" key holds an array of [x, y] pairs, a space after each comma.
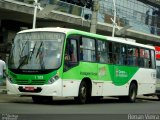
{"points": [[39, 77]]}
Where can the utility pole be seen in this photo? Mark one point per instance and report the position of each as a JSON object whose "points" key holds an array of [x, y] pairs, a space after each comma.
{"points": [[35, 13], [114, 19], [95, 8]]}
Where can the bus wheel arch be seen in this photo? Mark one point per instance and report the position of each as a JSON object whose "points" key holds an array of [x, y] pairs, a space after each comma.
{"points": [[132, 92], [84, 92]]}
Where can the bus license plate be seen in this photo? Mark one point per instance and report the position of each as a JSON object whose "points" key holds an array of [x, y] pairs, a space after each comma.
{"points": [[28, 88]]}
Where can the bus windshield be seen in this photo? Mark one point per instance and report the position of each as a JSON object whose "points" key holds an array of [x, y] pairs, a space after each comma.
{"points": [[36, 50]]}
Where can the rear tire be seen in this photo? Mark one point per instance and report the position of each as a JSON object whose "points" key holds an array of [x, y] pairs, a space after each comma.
{"points": [[83, 95], [132, 93]]}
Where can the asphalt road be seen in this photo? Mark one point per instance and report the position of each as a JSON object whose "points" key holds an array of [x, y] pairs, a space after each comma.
{"points": [[23, 108]]}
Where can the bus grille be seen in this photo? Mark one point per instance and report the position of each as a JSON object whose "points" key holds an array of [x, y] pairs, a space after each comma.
{"points": [[30, 82]]}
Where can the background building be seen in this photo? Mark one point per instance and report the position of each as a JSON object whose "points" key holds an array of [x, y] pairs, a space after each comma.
{"points": [[143, 17]]}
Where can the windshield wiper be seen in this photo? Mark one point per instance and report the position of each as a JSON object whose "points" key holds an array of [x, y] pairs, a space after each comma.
{"points": [[39, 49], [23, 61]]}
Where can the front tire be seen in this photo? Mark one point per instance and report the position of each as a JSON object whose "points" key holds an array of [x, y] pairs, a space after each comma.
{"points": [[82, 94], [132, 93]]}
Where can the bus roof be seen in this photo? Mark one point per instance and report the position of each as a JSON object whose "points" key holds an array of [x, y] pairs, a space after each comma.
{"points": [[67, 30], [49, 29], [125, 41]]}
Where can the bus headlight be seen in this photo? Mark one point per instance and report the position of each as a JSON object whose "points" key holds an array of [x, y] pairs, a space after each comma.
{"points": [[53, 79]]}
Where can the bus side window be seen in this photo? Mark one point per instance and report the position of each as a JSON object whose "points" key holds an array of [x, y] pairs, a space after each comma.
{"points": [[147, 59], [153, 62], [132, 56], [102, 52], [116, 53], [141, 59], [87, 49], [123, 55], [136, 53], [110, 54]]}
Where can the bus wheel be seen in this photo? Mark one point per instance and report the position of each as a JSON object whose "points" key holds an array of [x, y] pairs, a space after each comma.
{"points": [[132, 93], [82, 95], [42, 99], [158, 97]]}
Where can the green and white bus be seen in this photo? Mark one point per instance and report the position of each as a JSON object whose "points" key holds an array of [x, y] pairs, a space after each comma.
{"points": [[51, 62]]}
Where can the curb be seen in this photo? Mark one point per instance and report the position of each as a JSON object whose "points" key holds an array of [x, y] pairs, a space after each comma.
{"points": [[3, 91]]}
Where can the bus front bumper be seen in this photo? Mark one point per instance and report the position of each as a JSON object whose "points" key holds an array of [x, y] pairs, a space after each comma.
{"points": [[54, 89]]}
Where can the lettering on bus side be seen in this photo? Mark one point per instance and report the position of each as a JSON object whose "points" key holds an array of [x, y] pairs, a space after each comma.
{"points": [[121, 73], [88, 73]]}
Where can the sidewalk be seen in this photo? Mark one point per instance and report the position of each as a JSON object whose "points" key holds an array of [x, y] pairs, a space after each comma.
{"points": [[3, 89]]}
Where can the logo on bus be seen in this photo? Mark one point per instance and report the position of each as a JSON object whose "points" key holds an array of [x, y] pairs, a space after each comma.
{"points": [[102, 71], [121, 73]]}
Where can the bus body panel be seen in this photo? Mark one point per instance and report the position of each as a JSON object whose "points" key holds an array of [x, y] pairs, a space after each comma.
{"points": [[157, 50], [111, 80], [70, 87], [158, 77], [146, 79]]}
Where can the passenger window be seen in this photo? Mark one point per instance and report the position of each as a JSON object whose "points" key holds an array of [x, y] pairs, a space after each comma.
{"points": [[110, 52], [141, 59], [116, 53], [102, 52], [147, 59], [132, 55], [123, 55], [87, 49], [153, 63]]}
